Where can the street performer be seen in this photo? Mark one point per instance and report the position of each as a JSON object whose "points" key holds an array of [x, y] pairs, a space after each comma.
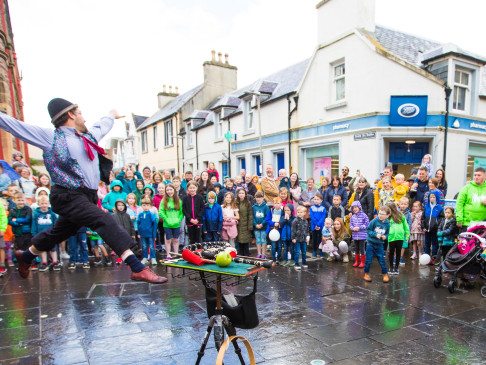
{"points": [[70, 153]]}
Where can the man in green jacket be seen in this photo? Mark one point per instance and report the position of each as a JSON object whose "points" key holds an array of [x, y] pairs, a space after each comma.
{"points": [[471, 201]]}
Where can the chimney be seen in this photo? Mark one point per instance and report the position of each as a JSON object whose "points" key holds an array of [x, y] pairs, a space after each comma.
{"points": [[164, 89], [226, 58], [213, 55], [336, 18], [177, 90], [219, 57], [218, 75], [170, 89], [164, 98]]}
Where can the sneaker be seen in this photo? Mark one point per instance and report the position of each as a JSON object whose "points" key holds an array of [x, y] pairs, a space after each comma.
{"points": [[413, 257], [86, 265], [167, 258], [284, 263], [154, 262], [43, 267], [10, 263], [113, 253], [401, 261], [98, 261], [34, 267], [397, 272], [65, 256], [118, 261], [108, 261], [291, 263], [3, 270], [144, 261], [297, 267], [391, 271], [330, 258], [72, 266], [304, 266], [56, 266]]}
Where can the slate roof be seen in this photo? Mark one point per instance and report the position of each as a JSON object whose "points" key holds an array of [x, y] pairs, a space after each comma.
{"points": [[138, 120], [198, 114], [451, 48], [172, 107]]}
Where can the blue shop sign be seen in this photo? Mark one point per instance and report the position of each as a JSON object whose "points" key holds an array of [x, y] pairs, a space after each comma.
{"points": [[408, 110]]}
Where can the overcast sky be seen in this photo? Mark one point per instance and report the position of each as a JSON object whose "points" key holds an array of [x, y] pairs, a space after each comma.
{"points": [[104, 54]]}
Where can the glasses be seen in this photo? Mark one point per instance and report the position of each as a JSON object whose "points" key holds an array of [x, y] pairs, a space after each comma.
{"points": [[381, 213]]}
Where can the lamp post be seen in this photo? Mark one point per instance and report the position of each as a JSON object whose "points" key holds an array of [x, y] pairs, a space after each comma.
{"points": [[258, 95], [448, 92]]}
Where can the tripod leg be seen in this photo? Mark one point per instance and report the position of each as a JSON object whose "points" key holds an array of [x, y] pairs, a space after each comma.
{"points": [[218, 331], [200, 353], [230, 330]]}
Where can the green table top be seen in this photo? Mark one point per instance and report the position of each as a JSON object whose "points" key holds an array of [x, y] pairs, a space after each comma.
{"points": [[234, 269]]}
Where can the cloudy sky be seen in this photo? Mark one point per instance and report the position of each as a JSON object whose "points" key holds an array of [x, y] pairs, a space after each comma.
{"points": [[104, 54]]}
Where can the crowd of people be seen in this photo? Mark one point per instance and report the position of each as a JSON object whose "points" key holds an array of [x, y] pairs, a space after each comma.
{"points": [[339, 219]]}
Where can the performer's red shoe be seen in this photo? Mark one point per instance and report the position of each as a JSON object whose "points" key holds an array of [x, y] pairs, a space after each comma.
{"points": [[149, 276], [23, 266]]}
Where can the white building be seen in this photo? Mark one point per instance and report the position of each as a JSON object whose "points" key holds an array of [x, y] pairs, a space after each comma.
{"points": [[367, 97]]}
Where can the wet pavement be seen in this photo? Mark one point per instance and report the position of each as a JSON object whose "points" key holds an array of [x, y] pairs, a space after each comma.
{"points": [[326, 312]]}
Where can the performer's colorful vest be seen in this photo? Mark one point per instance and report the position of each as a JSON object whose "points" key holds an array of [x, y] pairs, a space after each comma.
{"points": [[64, 170]]}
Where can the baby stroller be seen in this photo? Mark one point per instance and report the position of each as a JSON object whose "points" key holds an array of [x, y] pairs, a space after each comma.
{"points": [[464, 259]]}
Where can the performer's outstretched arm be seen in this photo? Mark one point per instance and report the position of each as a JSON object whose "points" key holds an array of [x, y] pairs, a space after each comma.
{"points": [[32, 134]]}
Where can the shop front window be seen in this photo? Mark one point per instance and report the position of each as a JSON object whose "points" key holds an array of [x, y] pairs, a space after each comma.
{"points": [[476, 158]]}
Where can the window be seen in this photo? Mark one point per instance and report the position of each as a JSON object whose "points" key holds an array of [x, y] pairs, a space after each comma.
{"points": [[218, 125], [462, 82], [189, 135], [144, 141], [338, 83], [257, 165], [155, 136], [241, 163], [168, 138], [248, 113]]}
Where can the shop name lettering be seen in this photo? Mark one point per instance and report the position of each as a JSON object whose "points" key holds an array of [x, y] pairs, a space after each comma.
{"points": [[340, 126], [478, 126]]}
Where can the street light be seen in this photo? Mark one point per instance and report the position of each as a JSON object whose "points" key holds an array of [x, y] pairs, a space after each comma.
{"points": [[258, 95], [448, 92]]}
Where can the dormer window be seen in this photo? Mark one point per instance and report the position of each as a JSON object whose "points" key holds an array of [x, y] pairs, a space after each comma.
{"points": [[249, 113], [462, 90], [218, 124], [189, 134], [339, 81]]}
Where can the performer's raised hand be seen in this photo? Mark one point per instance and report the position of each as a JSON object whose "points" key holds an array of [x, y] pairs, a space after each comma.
{"points": [[115, 114]]}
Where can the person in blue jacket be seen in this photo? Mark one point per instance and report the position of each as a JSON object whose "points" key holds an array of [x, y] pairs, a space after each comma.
{"points": [[116, 193], [285, 236], [317, 216], [128, 177], [377, 234], [336, 188], [273, 221], [212, 219], [260, 212]]}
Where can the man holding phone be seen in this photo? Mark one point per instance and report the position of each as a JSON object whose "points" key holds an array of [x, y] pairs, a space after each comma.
{"points": [[344, 176]]}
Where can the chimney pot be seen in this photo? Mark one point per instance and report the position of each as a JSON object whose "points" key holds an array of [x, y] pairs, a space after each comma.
{"points": [[219, 57], [226, 58], [164, 88], [177, 90], [170, 89], [213, 55]]}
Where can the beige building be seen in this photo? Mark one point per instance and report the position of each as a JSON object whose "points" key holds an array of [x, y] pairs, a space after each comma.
{"points": [[161, 146]]}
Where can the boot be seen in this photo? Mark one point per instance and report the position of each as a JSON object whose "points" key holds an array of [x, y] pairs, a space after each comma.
{"points": [[356, 260], [345, 258], [386, 279], [363, 259], [367, 277]]}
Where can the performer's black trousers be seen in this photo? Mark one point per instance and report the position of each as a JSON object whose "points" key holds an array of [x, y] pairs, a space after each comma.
{"points": [[78, 208]]}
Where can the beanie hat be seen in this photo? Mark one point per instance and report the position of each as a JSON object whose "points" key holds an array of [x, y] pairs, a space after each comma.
{"points": [[57, 107], [147, 168]]}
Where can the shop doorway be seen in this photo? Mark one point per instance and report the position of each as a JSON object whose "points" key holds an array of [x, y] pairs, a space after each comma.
{"points": [[405, 156]]}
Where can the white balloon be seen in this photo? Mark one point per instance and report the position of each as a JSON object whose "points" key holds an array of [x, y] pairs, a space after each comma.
{"points": [[424, 259], [343, 247], [274, 235]]}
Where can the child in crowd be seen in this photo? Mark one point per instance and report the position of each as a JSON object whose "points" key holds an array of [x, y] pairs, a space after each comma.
{"points": [[20, 218], [433, 187], [123, 218], [284, 194], [193, 209], [170, 212], [401, 189], [97, 243], [358, 224], [399, 233], [273, 221], [377, 234], [430, 223], [132, 210], [284, 180], [147, 231], [403, 206], [245, 223], [181, 193], [8, 237], [427, 163], [212, 219], [12, 189], [43, 218], [78, 250], [38, 193], [447, 231], [239, 182], [44, 181], [317, 216], [139, 185], [337, 210], [212, 171], [416, 230], [230, 219], [340, 234], [115, 193], [159, 196], [260, 212], [299, 233], [386, 193], [285, 236], [326, 244], [3, 228], [157, 178]]}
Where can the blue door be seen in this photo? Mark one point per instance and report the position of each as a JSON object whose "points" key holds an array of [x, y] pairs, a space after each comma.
{"points": [[400, 152], [257, 165], [224, 168], [243, 163], [280, 161]]}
